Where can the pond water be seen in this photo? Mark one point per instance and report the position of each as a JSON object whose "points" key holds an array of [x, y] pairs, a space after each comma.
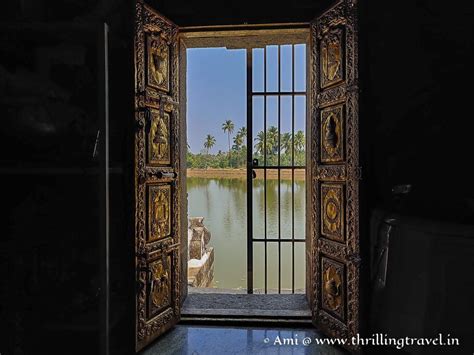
{"points": [[223, 204]]}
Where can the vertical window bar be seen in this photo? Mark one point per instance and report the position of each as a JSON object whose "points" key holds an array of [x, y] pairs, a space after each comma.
{"points": [[279, 171], [265, 160], [249, 172], [293, 170]]}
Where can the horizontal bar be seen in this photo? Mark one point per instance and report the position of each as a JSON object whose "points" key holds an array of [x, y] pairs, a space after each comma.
{"points": [[277, 240], [276, 93], [279, 167]]}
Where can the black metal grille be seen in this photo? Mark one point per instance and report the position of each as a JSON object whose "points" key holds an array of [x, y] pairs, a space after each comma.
{"points": [[266, 239]]}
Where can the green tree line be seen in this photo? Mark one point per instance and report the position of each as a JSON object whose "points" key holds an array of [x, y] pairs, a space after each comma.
{"points": [[292, 149]]}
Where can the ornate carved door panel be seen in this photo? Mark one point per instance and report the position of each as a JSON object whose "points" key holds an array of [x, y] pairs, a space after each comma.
{"points": [[334, 120], [157, 175]]}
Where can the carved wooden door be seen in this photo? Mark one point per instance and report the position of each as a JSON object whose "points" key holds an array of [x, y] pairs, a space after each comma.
{"points": [[157, 175], [335, 170]]}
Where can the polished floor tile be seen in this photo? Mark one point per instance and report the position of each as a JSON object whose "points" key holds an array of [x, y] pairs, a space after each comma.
{"points": [[210, 340]]}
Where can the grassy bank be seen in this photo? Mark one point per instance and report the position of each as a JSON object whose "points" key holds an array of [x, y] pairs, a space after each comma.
{"points": [[272, 174]]}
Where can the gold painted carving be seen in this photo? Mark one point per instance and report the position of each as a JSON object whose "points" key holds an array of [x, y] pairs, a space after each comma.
{"points": [[333, 292], [332, 134], [159, 212], [334, 79], [159, 149], [331, 58], [160, 287], [156, 81], [332, 211], [158, 53]]}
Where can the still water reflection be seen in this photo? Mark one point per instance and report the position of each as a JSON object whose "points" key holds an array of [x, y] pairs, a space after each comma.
{"points": [[223, 204]]}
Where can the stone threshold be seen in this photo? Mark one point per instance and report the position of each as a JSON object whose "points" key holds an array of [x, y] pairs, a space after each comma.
{"points": [[246, 321], [220, 306]]}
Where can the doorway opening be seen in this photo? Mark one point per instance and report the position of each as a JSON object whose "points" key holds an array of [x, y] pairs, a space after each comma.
{"points": [[246, 176], [332, 248], [216, 169]]}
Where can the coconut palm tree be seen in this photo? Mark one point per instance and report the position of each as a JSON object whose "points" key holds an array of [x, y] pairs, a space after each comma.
{"points": [[259, 146], [228, 126], [286, 142], [272, 140], [238, 141], [299, 141], [209, 143], [242, 132]]}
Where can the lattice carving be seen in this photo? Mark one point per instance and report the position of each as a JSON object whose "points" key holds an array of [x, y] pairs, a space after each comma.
{"points": [[331, 96], [331, 172]]}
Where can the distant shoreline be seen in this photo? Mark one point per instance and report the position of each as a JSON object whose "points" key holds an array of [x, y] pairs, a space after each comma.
{"points": [[272, 174]]}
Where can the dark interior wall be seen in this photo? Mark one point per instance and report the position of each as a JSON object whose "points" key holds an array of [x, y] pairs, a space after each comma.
{"points": [[418, 66], [417, 71], [237, 12], [49, 80], [48, 85]]}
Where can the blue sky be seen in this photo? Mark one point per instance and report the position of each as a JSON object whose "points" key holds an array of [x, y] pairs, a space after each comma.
{"points": [[216, 91]]}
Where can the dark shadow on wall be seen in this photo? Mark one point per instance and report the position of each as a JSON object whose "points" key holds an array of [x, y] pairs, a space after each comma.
{"points": [[416, 121], [49, 80], [418, 74]]}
